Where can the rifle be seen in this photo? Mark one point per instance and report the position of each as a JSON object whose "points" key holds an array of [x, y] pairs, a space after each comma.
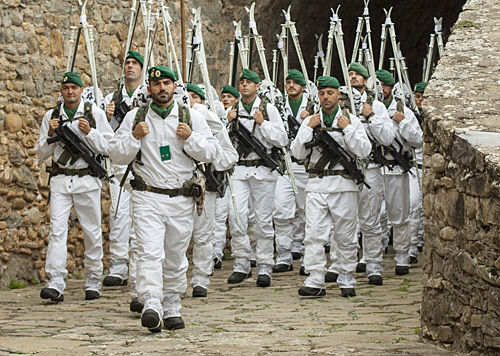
{"points": [[212, 180], [248, 143], [293, 127], [378, 155], [335, 154], [77, 149], [401, 159]]}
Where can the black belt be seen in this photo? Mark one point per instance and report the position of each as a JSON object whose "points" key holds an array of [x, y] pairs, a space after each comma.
{"points": [[252, 163], [56, 170], [313, 173], [143, 187]]}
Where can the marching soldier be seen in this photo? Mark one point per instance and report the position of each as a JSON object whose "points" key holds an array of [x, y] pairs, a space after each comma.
{"points": [[254, 182], [73, 184], [397, 194], [162, 140], [416, 209], [204, 224], [378, 127], [288, 213], [331, 191], [118, 104], [229, 96]]}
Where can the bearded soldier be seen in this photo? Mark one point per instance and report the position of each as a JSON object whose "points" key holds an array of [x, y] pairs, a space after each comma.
{"points": [[162, 140], [288, 213], [73, 184], [118, 104], [204, 223], [397, 194], [378, 127], [331, 191], [254, 181]]}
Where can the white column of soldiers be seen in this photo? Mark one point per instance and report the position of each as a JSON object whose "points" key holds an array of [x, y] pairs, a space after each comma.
{"points": [[273, 219]]}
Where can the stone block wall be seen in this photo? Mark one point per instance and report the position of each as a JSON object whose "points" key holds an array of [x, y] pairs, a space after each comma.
{"points": [[461, 185]]}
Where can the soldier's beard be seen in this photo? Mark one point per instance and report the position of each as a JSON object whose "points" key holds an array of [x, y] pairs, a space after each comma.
{"points": [[162, 99]]}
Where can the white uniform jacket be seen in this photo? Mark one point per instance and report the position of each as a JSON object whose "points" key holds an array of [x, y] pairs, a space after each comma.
{"points": [[228, 155], [172, 173], [270, 133], [408, 132], [97, 139], [353, 139]]}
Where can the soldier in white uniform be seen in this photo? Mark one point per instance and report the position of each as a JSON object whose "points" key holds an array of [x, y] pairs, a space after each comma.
{"points": [[73, 184], [254, 181], [331, 192], [397, 192], [378, 127], [204, 223], [288, 216], [120, 231], [168, 138]]}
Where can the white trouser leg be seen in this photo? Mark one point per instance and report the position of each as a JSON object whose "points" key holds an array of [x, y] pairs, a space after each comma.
{"points": [[119, 232], [203, 247], [283, 216], [369, 203], [397, 199], [262, 197], [334, 265], [416, 212], [88, 209], [221, 214], [133, 255], [251, 231], [57, 251], [321, 210], [240, 242]]}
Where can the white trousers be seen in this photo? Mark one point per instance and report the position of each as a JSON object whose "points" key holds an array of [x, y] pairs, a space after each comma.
{"points": [[220, 229], [369, 205], [321, 211], [203, 248], [416, 213], [289, 217], [260, 195], [88, 209], [163, 226], [397, 201], [120, 232]]}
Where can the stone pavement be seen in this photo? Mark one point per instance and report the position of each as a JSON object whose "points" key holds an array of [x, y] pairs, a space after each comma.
{"points": [[232, 320]]}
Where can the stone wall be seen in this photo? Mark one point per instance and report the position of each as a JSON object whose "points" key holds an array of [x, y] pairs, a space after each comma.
{"points": [[461, 184]]}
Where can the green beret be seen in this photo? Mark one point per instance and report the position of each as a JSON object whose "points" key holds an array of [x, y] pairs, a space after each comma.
{"points": [[360, 69], [385, 77], [196, 89], [135, 55], [230, 90], [248, 74], [296, 75], [70, 77], [327, 82], [160, 72], [420, 87]]}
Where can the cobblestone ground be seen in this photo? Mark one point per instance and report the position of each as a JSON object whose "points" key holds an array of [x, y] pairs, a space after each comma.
{"points": [[232, 320]]}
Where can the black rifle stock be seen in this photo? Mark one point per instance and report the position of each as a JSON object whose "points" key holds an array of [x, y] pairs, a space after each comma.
{"points": [[378, 155], [78, 149], [249, 144], [293, 127], [212, 180], [401, 159], [336, 153]]}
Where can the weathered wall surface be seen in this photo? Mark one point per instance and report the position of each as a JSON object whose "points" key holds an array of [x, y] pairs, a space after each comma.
{"points": [[461, 298]]}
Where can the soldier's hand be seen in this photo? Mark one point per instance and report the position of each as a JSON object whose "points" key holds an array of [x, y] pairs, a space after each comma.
{"points": [[183, 131], [84, 126], [343, 122], [366, 110], [314, 121], [231, 115], [398, 117], [110, 110], [53, 125], [258, 117], [304, 114], [140, 131]]}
